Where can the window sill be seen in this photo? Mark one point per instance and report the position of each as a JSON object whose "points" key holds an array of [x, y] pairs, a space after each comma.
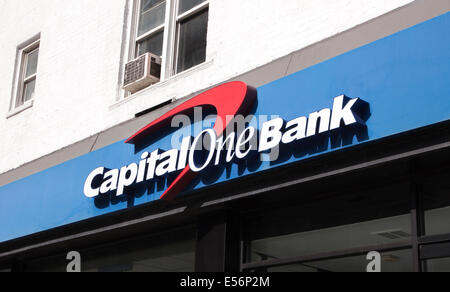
{"points": [[174, 78], [18, 110]]}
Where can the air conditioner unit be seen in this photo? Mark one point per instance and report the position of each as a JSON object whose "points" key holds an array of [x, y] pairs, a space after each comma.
{"points": [[142, 72]]}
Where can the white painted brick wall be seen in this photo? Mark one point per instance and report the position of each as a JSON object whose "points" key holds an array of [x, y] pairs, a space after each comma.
{"points": [[80, 52]]}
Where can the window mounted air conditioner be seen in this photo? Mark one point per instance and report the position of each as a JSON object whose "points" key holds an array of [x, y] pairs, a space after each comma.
{"points": [[142, 72]]}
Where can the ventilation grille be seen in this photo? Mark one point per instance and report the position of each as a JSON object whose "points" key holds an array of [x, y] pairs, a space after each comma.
{"points": [[142, 72], [393, 234], [135, 70]]}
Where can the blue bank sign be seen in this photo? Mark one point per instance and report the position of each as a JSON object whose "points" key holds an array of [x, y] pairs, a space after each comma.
{"points": [[229, 141], [402, 82]]}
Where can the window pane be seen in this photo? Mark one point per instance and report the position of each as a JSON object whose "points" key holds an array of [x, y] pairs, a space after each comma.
{"points": [[192, 42], [372, 217], [437, 204], [439, 265], [185, 5], [153, 44], [396, 261], [32, 61], [28, 90], [436, 221], [170, 252], [148, 4], [339, 238], [153, 14]]}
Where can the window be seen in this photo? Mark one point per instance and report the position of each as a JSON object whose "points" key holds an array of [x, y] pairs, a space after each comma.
{"points": [[438, 265], [29, 56], [315, 236], [175, 30], [191, 44], [150, 33], [172, 251], [392, 261], [437, 203]]}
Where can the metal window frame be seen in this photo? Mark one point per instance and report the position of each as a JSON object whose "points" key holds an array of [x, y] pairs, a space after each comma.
{"points": [[412, 244], [397, 246], [177, 232], [423, 247]]}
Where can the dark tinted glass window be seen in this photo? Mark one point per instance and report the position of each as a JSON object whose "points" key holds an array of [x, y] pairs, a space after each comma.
{"points": [[436, 192], [438, 265], [394, 261], [335, 224], [169, 252], [192, 41]]}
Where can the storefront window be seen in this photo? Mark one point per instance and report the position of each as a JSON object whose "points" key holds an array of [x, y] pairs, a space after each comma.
{"points": [[168, 252], [437, 204], [376, 232], [438, 265], [396, 261], [346, 223]]}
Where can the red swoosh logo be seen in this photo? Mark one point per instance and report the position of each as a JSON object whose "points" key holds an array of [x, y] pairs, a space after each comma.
{"points": [[229, 99]]}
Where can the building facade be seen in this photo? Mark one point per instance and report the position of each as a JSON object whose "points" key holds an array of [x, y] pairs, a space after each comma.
{"points": [[366, 81]]}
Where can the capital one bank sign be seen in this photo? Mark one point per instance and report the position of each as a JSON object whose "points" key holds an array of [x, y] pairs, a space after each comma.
{"points": [[405, 77], [222, 144]]}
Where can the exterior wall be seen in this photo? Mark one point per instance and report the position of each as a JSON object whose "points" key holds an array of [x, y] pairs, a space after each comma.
{"points": [[82, 46]]}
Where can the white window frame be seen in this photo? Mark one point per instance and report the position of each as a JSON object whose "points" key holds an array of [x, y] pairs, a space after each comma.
{"points": [[23, 51], [147, 34], [171, 34]]}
